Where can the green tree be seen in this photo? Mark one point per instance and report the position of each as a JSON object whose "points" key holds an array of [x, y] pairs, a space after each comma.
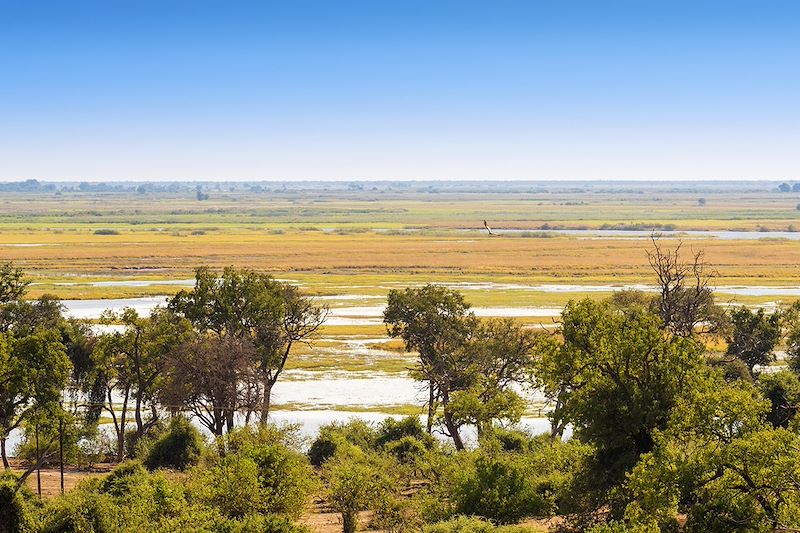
{"points": [[615, 376], [721, 463], [782, 389], [753, 336], [13, 283], [271, 315], [499, 357], [33, 372], [435, 322]]}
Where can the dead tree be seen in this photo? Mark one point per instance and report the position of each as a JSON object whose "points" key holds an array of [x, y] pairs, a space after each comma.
{"points": [[686, 300]]}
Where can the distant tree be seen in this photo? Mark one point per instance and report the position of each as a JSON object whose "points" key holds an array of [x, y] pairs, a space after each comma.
{"points": [[796, 187], [784, 187], [753, 336], [271, 316], [701, 202], [137, 357], [200, 194]]}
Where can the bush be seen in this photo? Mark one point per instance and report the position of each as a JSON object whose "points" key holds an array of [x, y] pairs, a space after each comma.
{"points": [[106, 231], [285, 477], [179, 447], [82, 512], [407, 449], [256, 479], [503, 488], [463, 524], [334, 436], [16, 512], [508, 440], [323, 448], [392, 430], [231, 486], [357, 482]]}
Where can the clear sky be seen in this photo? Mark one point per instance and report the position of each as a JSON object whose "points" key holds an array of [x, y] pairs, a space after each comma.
{"points": [[405, 89]]}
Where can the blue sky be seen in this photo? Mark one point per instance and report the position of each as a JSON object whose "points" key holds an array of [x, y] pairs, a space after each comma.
{"points": [[383, 89]]}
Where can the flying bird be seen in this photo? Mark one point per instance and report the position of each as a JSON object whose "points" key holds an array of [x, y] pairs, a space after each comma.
{"points": [[485, 225]]}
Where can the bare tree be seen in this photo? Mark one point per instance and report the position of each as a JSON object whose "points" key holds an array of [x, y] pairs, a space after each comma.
{"points": [[208, 376], [686, 298]]}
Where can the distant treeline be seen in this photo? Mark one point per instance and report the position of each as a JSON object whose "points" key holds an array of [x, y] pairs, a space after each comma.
{"points": [[400, 186]]}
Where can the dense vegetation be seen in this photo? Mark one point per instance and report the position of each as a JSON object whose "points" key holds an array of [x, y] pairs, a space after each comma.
{"points": [[678, 420]]}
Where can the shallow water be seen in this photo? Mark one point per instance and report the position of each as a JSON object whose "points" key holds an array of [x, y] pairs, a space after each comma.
{"points": [[645, 234], [91, 309]]}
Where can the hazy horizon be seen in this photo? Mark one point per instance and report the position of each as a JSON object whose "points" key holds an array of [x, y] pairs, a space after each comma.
{"points": [[399, 91]]}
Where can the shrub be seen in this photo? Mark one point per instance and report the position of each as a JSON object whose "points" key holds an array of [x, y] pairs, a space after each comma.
{"points": [[323, 448], [285, 477], [83, 512], [179, 447], [463, 524], [231, 486], [508, 440], [106, 231], [407, 449], [16, 512], [393, 430], [502, 488], [357, 482], [334, 436]]}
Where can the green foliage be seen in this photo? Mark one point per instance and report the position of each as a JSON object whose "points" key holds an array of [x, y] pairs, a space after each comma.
{"points": [[392, 429], [407, 449], [13, 283], [753, 336], [357, 482], [255, 477], [503, 488], [285, 477], [782, 389], [16, 507], [464, 524], [231, 485], [615, 377], [337, 435], [34, 370], [178, 447]]}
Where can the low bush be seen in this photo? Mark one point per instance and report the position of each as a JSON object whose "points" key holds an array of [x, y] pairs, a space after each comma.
{"points": [[463, 524], [179, 447]]}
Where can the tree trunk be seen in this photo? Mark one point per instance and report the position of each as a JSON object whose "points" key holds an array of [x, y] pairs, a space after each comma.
{"points": [[123, 417], [229, 414], [453, 430], [6, 465], [265, 401], [429, 423], [138, 416], [349, 522]]}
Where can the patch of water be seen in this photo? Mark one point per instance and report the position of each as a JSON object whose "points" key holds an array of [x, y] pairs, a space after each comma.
{"points": [[91, 309]]}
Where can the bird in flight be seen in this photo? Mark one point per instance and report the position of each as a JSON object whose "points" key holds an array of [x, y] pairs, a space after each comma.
{"points": [[485, 225]]}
